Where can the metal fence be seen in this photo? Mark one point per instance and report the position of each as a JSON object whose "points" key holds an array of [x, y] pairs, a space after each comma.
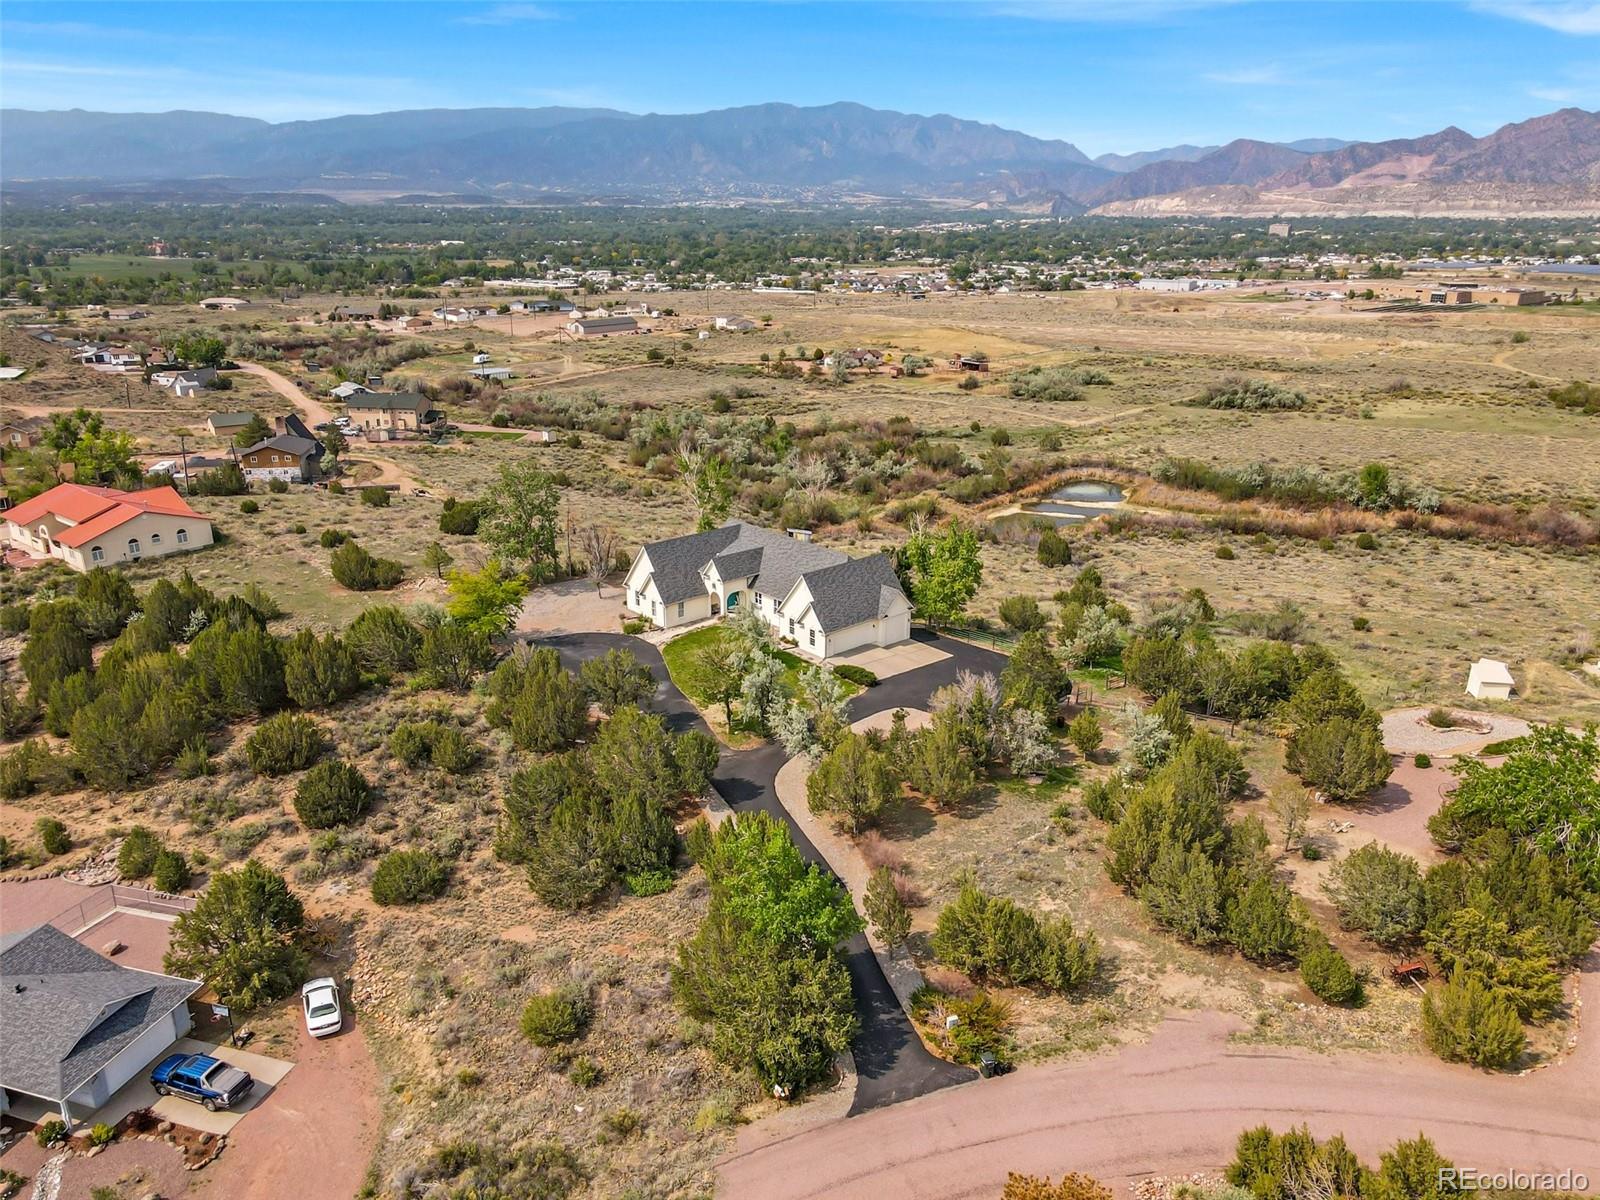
{"points": [[113, 897]]}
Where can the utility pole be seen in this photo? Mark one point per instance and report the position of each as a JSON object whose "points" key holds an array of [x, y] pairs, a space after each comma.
{"points": [[183, 453]]}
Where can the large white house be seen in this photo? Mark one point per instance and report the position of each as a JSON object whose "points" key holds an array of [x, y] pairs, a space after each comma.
{"points": [[87, 527], [822, 601]]}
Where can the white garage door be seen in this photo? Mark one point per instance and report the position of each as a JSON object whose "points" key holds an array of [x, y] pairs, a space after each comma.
{"points": [[894, 629]]}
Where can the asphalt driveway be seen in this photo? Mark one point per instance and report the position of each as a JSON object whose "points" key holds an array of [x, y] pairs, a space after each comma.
{"points": [[892, 1064], [911, 689]]}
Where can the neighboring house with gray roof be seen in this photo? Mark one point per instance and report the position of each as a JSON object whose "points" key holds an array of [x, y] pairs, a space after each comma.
{"points": [[823, 602], [75, 1026], [282, 456]]}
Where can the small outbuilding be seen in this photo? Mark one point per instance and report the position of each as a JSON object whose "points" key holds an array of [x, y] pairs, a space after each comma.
{"points": [[1490, 680]]}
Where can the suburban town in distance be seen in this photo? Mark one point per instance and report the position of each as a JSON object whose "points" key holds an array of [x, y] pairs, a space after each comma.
{"points": [[812, 601]]}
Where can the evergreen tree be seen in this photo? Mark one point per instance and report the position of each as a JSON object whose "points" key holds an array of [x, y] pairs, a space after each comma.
{"points": [[319, 671], [1033, 678], [384, 640], [617, 679], [1343, 759], [242, 937], [890, 918], [1185, 893], [1378, 892], [1464, 1021], [451, 655], [538, 700], [852, 782]]}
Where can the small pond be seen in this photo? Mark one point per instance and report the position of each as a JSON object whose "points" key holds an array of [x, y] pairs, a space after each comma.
{"points": [[1081, 501]]}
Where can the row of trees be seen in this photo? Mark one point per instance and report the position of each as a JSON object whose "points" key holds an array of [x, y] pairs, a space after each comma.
{"points": [[1502, 920], [582, 818], [1334, 742], [970, 733], [180, 662], [1208, 879]]}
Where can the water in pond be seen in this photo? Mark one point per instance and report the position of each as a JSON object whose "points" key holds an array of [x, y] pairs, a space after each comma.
{"points": [[1081, 501]]}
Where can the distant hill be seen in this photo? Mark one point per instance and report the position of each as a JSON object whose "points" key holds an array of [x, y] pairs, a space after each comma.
{"points": [[840, 147], [831, 153], [1548, 165], [1186, 153]]}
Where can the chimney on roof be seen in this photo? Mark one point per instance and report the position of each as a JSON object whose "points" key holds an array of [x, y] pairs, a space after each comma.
{"points": [[800, 535]]}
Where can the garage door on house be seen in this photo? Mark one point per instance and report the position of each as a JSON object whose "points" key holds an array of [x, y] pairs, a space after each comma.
{"points": [[894, 628]]}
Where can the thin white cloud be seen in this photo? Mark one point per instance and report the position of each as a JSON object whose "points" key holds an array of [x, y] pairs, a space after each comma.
{"points": [[508, 14], [277, 95], [1576, 83], [1099, 12], [1580, 18], [1266, 73]]}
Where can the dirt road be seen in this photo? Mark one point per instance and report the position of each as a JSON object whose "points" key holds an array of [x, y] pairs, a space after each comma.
{"points": [[1177, 1104], [314, 411], [321, 1121]]}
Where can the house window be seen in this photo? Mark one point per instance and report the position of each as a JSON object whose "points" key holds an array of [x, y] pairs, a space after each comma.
{"points": [[96, 554], [183, 537], [791, 626], [155, 539], [680, 608], [811, 637], [44, 533], [133, 547], [274, 458], [652, 608]]}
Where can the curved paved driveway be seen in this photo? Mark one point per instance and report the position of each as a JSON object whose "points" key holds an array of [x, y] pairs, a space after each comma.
{"points": [[892, 1064]]}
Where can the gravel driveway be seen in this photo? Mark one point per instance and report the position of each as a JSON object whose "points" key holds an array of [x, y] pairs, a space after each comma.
{"points": [[1406, 731]]}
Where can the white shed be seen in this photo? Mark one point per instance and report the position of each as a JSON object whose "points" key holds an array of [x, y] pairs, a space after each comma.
{"points": [[1490, 680]]}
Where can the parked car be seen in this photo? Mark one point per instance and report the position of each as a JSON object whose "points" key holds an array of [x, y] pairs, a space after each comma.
{"points": [[205, 1080], [320, 999]]}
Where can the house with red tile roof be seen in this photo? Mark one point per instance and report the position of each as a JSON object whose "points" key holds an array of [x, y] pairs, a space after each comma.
{"points": [[87, 527]]}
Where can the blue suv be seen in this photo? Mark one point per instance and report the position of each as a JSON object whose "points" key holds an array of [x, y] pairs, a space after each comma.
{"points": [[203, 1079]]}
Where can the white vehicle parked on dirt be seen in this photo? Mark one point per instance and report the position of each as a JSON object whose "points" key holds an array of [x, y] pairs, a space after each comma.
{"points": [[320, 999]]}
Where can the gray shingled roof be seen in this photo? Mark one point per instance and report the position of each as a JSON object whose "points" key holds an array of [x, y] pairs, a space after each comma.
{"points": [[286, 442], [675, 563], [783, 558], [845, 591], [65, 1011], [388, 401], [857, 590]]}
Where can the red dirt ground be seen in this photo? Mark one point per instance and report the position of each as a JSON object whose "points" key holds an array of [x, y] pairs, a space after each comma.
{"points": [[1397, 814], [319, 1130], [1177, 1104]]}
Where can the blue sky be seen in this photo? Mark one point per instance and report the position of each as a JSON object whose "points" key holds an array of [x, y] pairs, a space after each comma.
{"points": [[1115, 75]]}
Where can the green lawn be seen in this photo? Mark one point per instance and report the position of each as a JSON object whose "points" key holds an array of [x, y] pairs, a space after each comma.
{"points": [[128, 266], [681, 656], [682, 653]]}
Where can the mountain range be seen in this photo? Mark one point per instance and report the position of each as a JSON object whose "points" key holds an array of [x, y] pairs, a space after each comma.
{"points": [[841, 153]]}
